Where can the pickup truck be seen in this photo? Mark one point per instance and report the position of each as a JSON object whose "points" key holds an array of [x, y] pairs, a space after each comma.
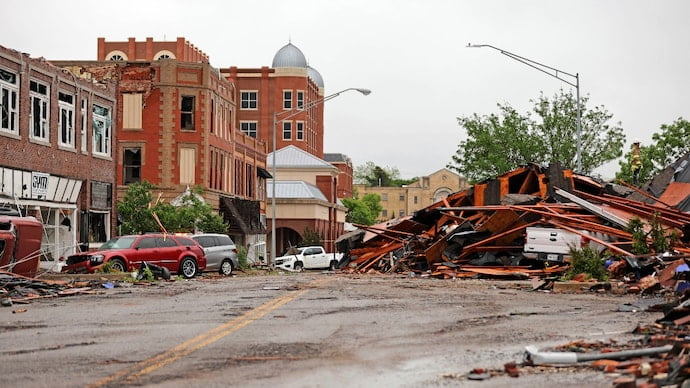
{"points": [[312, 257]]}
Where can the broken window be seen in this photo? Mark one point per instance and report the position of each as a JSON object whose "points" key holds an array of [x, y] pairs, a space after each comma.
{"points": [[40, 106], [9, 104], [187, 113], [248, 99], [98, 227], [84, 123], [131, 161], [66, 119], [101, 130]]}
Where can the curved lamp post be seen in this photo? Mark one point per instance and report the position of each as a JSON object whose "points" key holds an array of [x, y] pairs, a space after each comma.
{"points": [[553, 72], [279, 117]]}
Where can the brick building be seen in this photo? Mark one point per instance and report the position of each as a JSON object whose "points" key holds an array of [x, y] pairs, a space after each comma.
{"points": [[177, 130], [284, 89], [344, 165], [57, 151]]}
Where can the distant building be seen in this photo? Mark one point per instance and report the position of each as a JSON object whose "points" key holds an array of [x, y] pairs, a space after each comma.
{"points": [[427, 190], [58, 142], [344, 165], [305, 198]]}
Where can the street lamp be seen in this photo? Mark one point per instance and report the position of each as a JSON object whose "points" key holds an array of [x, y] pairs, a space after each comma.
{"points": [[553, 72], [279, 117]]}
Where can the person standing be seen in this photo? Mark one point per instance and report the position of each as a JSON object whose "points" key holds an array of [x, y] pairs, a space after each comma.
{"points": [[636, 161]]}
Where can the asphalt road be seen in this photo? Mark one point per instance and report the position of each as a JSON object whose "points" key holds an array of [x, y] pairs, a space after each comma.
{"points": [[302, 330]]}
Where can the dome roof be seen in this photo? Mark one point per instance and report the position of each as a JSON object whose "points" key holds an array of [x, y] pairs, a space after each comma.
{"points": [[315, 76], [289, 56]]}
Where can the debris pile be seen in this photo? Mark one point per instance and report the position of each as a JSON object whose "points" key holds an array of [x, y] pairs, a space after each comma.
{"points": [[523, 224], [18, 289]]}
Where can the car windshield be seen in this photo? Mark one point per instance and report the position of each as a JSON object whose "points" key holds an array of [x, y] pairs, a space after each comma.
{"points": [[119, 243], [293, 251]]}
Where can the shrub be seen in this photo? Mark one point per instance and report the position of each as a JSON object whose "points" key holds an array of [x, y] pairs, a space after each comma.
{"points": [[587, 261]]}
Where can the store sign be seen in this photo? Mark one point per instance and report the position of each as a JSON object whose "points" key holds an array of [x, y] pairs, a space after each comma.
{"points": [[39, 184]]}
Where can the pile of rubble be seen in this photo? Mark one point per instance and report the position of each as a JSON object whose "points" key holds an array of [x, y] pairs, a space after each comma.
{"points": [[483, 231]]}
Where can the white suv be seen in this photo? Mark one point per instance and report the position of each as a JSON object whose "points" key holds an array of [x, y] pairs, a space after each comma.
{"points": [[221, 253]]}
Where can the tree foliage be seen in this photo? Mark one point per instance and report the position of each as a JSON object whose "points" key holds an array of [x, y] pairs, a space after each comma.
{"points": [[371, 174], [136, 211], [363, 211], [668, 145], [503, 141]]}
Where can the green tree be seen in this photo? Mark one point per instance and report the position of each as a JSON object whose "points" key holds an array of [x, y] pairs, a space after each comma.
{"points": [[363, 211], [135, 211], [668, 145], [373, 175], [192, 214], [501, 142], [311, 237]]}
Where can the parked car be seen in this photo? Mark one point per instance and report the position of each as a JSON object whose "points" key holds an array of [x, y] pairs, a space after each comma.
{"points": [[179, 254], [220, 250], [313, 257]]}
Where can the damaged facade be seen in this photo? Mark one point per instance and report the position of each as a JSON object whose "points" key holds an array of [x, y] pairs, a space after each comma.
{"points": [[177, 130], [58, 141]]}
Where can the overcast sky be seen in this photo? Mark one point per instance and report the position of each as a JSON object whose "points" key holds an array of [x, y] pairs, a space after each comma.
{"points": [[632, 57]]}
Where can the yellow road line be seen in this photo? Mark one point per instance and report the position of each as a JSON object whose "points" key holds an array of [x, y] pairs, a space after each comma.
{"points": [[151, 364]]}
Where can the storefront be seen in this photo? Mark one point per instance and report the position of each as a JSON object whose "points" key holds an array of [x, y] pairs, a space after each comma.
{"points": [[51, 199]]}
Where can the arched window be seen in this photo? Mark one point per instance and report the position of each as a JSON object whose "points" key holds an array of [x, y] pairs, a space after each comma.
{"points": [[116, 55]]}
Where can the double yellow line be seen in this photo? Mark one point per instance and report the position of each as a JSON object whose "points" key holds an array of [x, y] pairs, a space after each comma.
{"points": [[130, 375]]}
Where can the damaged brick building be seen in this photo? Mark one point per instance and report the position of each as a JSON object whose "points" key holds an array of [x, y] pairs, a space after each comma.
{"points": [[176, 121], [58, 153]]}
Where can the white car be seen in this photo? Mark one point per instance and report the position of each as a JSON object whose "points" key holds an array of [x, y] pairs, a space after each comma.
{"points": [[313, 257]]}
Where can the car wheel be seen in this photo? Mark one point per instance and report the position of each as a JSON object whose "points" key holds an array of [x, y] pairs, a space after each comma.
{"points": [[226, 267], [117, 265], [188, 267], [299, 267], [333, 266]]}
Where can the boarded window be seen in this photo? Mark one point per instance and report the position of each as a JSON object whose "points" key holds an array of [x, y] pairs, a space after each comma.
{"points": [[187, 166], [131, 110]]}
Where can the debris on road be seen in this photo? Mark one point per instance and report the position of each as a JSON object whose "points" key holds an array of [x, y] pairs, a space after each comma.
{"points": [[524, 223]]}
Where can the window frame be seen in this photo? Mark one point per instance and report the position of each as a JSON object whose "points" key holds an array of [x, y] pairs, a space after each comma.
{"points": [[105, 142], [248, 130], [187, 113], [67, 131], [84, 125], [131, 166], [299, 130], [300, 99], [9, 89], [287, 130], [287, 99], [249, 99], [39, 130]]}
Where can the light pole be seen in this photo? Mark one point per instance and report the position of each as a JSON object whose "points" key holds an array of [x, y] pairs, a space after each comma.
{"points": [[553, 72], [279, 117]]}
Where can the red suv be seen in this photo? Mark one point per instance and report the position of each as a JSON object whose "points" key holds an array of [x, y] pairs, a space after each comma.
{"points": [[179, 254]]}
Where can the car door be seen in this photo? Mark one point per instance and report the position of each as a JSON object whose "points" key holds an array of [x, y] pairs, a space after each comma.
{"points": [[169, 253], [144, 250], [313, 258], [212, 251]]}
